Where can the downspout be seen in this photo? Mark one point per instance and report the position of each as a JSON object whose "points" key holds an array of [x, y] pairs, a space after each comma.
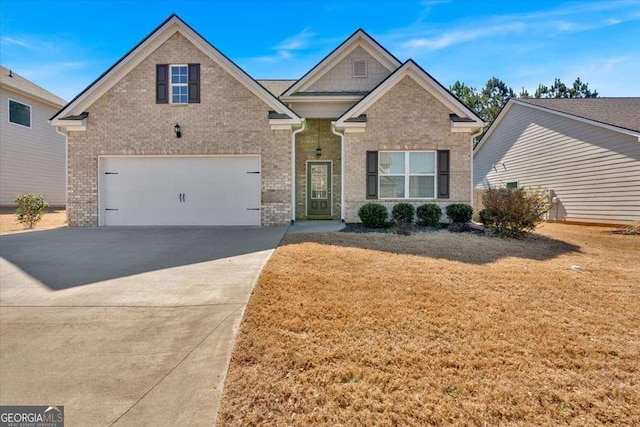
{"points": [[472, 136], [66, 171], [342, 163], [293, 169]]}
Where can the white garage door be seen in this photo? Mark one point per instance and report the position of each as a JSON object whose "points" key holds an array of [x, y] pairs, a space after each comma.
{"points": [[172, 190]]}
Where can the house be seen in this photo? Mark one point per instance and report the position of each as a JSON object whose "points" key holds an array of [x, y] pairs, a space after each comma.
{"points": [[175, 133], [585, 151], [32, 153]]}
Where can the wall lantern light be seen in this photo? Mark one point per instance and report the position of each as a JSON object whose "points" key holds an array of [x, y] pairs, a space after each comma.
{"points": [[318, 151], [177, 130]]}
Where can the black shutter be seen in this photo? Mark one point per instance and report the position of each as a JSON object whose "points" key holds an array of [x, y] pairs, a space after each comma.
{"points": [[372, 174], [194, 83], [443, 174], [162, 84]]}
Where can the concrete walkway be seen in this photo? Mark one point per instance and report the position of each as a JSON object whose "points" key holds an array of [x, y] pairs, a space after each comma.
{"points": [[125, 326], [315, 226]]}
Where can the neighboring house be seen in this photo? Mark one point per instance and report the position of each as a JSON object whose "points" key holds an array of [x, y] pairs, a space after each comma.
{"points": [[585, 151], [32, 153], [175, 133]]}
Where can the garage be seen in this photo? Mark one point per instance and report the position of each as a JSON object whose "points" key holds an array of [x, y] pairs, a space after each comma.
{"points": [[179, 190]]}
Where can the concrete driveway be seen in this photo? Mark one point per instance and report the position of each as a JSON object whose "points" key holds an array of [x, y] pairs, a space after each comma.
{"points": [[125, 326]]}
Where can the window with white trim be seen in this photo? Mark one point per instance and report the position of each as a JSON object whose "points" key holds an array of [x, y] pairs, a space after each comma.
{"points": [[19, 113], [179, 84], [407, 175]]}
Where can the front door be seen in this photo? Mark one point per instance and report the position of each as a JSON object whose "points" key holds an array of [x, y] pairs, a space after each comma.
{"points": [[319, 189]]}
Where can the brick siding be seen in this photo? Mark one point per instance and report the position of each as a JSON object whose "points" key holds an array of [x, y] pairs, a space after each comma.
{"points": [[406, 118], [229, 120]]}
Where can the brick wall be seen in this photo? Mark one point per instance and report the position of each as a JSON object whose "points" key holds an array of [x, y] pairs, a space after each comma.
{"points": [[229, 120], [318, 132], [407, 118]]}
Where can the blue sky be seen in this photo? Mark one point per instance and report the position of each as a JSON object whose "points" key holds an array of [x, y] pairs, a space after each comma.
{"points": [[64, 45]]}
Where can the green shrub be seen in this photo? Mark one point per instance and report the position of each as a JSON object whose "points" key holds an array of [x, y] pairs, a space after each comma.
{"points": [[513, 212], [373, 215], [429, 215], [459, 212], [30, 209], [403, 214]]}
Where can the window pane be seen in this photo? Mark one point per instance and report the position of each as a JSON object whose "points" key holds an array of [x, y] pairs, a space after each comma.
{"points": [[421, 187], [19, 113], [512, 184], [319, 181], [391, 163], [178, 75], [391, 187], [422, 163], [179, 94]]}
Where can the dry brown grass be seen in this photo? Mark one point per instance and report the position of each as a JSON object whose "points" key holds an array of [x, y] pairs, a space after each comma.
{"points": [[54, 217], [440, 329]]}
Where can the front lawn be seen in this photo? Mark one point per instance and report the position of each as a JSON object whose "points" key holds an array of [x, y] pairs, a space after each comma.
{"points": [[53, 218], [442, 328]]}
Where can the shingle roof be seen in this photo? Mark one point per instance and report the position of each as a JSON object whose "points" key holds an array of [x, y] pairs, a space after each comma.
{"points": [[276, 115], [276, 87], [331, 93], [620, 112], [20, 84]]}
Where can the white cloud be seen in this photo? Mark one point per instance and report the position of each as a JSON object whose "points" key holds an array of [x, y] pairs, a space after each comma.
{"points": [[296, 42], [287, 47], [424, 37], [16, 42], [460, 36]]}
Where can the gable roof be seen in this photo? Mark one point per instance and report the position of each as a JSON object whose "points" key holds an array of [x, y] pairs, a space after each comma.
{"points": [[463, 117], [618, 114], [143, 49], [621, 112], [358, 38], [10, 79], [276, 86]]}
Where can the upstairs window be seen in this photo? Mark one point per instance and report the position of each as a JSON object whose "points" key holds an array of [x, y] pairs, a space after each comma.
{"points": [[19, 113], [179, 84], [359, 68]]}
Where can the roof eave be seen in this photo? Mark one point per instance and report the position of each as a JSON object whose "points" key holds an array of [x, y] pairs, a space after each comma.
{"points": [[203, 45], [70, 125], [32, 96], [443, 95], [322, 98]]}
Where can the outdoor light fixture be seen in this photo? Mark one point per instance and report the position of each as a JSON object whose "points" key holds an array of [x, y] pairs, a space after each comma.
{"points": [[177, 130], [318, 150]]}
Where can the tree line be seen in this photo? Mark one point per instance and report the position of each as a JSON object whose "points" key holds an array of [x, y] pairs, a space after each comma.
{"points": [[488, 101]]}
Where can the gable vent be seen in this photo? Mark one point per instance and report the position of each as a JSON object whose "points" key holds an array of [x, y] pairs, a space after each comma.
{"points": [[359, 68]]}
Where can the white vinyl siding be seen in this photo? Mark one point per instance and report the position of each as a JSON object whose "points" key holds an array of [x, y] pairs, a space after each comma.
{"points": [[32, 159], [594, 172]]}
